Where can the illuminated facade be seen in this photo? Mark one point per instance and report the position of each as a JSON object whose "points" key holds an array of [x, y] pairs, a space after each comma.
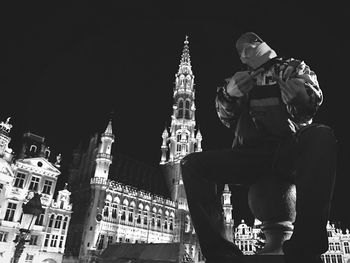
{"points": [[182, 139], [21, 177], [339, 245], [113, 210], [246, 238]]}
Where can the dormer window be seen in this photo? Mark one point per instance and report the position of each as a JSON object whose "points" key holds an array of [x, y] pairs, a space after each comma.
{"points": [[47, 153], [33, 148]]}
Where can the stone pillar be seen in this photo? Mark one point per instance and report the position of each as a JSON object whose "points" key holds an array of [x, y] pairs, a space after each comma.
{"points": [[272, 201]]}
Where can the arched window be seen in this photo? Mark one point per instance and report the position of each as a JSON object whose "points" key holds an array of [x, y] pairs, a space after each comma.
{"points": [[126, 202], [58, 222], [40, 219], [166, 223], [114, 210], [52, 217], [47, 153], [123, 214], [131, 217], [116, 200], [33, 148], [106, 209], [171, 224], [65, 222], [180, 109], [187, 110], [138, 219]]}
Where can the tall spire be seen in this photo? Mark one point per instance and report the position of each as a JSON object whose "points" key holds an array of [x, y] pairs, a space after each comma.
{"points": [[185, 57], [109, 130]]}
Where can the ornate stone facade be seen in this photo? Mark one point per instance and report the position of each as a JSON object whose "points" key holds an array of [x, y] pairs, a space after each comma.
{"points": [[20, 178]]}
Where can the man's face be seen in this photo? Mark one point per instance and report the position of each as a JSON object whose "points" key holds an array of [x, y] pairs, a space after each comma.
{"points": [[247, 51]]}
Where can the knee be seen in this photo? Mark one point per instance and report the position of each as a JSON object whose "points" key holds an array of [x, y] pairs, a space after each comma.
{"points": [[321, 134], [188, 160]]}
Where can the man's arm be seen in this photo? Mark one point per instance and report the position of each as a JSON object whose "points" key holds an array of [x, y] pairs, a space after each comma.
{"points": [[229, 103], [300, 91]]}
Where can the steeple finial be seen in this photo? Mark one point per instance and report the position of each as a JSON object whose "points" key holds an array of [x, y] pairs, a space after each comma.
{"points": [[185, 57]]}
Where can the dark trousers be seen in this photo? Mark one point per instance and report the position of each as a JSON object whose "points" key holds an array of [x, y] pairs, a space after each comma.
{"points": [[309, 158]]}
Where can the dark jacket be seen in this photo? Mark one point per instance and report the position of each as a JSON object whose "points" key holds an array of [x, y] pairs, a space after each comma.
{"points": [[262, 114]]}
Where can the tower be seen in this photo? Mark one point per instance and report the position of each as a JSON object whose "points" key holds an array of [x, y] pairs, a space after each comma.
{"points": [[99, 184], [104, 157], [227, 209], [182, 138], [179, 141]]}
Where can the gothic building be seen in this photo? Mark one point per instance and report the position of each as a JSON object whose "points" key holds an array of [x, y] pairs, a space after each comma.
{"points": [[114, 209], [20, 177], [181, 139], [123, 200]]}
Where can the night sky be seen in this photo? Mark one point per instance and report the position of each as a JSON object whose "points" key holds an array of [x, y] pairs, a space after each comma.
{"points": [[65, 68]]}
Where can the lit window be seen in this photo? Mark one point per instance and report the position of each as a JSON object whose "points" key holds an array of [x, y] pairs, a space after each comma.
{"points": [[105, 210], [52, 217], [65, 222], [61, 242], [110, 240], [100, 242], [178, 147], [114, 210], [29, 258], [47, 187], [33, 240], [58, 222], [54, 241], [346, 247], [40, 219], [33, 148], [10, 211], [180, 109], [34, 183], [46, 243], [187, 109], [20, 178], [3, 236]]}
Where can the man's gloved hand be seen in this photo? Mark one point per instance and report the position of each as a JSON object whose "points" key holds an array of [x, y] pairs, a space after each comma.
{"points": [[241, 83], [292, 90]]}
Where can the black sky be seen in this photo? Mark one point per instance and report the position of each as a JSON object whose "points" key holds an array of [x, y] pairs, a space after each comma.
{"points": [[69, 65]]}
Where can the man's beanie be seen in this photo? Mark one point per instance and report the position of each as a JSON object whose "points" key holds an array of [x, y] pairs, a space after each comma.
{"points": [[248, 37]]}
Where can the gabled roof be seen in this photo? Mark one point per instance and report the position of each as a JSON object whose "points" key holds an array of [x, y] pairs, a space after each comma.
{"points": [[39, 164]]}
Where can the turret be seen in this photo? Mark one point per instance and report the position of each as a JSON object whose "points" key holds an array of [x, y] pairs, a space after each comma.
{"points": [[227, 207], [199, 141], [104, 157], [164, 147]]}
